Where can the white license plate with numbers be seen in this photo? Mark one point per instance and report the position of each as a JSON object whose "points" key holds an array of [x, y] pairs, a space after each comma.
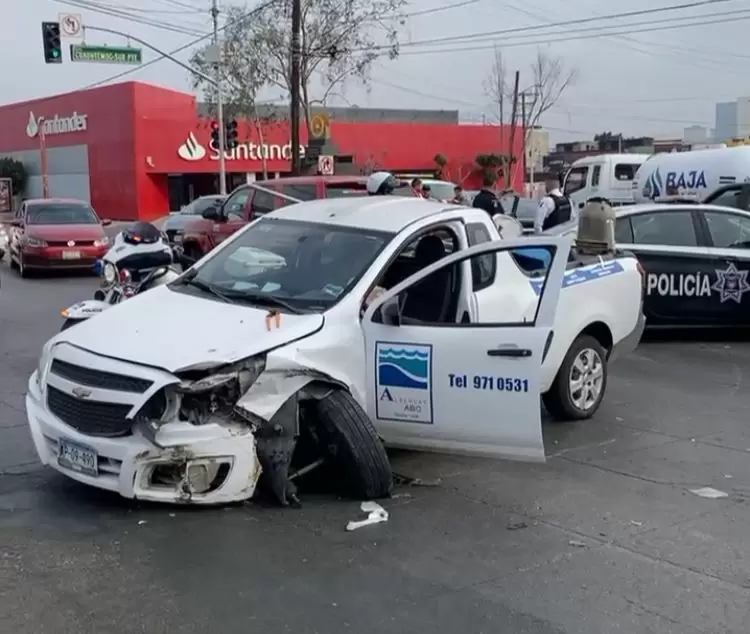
{"points": [[77, 457], [71, 255]]}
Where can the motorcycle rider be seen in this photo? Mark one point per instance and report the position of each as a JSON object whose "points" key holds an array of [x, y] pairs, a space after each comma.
{"points": [[554, 209]]}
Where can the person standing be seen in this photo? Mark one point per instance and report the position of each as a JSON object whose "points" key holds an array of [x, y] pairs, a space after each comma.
{"points": [[459, 198], [554, 209], [486, 199]]}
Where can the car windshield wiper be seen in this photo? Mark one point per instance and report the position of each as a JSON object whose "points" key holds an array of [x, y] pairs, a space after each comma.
{"points": [[264, 300], [189, 280]]}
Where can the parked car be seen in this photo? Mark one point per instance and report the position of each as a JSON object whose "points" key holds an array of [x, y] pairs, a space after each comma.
{"points": [[523, 209], [56, 233], [440, 190], [247, 203], [696, 259], [178, 219]]}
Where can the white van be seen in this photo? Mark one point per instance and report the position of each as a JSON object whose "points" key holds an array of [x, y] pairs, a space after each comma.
{"points": [[697, 173], [607, 175]]}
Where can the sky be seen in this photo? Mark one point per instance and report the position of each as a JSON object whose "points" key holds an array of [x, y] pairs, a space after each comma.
{"points": [[634, 76]]}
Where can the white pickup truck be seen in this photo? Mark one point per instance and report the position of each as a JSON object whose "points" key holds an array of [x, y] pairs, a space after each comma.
{"points": [[372, 318]]}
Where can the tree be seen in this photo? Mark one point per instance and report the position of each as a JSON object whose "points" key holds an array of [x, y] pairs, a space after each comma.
{"points": [[340, 40], [15, 171], [549, 80]]}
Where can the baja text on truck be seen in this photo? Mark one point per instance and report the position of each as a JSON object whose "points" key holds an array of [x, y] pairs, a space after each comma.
{"points": [[274, 354]]}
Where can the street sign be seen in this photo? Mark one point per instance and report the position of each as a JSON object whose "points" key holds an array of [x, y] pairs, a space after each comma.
{"points": [[71, 24], [320, 126], [325, 165], [106, 54]]}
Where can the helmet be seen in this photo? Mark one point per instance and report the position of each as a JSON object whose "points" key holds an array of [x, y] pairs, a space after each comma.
{"points": [[142, 233], [381, 184]]}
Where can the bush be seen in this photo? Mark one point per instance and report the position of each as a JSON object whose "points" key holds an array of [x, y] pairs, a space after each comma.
{"points": [[10, 168]]}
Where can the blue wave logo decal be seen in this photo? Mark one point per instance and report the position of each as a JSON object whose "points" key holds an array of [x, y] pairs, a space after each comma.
{"points": [[654, 186], [405, 366]]}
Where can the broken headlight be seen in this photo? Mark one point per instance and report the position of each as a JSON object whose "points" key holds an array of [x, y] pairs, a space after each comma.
{"points": [[215, 394]]}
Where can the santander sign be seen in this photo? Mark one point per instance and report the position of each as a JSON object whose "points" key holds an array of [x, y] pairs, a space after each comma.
{"points": [[192, 150]]}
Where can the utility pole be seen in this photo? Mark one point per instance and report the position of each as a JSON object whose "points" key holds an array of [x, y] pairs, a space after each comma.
{"points": [[514, 114], [219, 101], [43, 162], [295, 87], [523, 131]]}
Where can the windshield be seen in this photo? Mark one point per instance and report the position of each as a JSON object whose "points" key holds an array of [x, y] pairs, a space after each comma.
{"points": [[309, 266], [440, 190], [61, 214], [199, 205]]}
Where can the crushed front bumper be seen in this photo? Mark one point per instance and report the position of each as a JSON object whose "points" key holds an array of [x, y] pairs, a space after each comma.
{"points": [[135, 467]]}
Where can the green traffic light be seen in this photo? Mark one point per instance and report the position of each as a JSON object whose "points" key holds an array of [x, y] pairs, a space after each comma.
{"points": [[55, 53]]}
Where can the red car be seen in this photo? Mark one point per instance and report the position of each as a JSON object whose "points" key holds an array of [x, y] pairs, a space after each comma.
{"points": [[245, 204], [56, 233]]}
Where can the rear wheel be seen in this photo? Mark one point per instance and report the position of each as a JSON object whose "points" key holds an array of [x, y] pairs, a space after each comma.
{"points": [[347, 437], [580, 383]]}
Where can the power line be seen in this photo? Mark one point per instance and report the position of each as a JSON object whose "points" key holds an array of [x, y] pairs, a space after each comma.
{"points": [[577, 21], [582, 35], [184, 47], [116, 13]]}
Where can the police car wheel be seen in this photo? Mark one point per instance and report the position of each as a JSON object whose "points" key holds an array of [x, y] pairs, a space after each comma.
{"points": [[353, 446], [580, 383]]}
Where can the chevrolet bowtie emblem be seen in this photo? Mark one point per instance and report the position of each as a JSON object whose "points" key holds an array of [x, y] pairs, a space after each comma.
{"points": [[81, 392]]}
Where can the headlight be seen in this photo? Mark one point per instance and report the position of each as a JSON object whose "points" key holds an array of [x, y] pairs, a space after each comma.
{"points": [[109, 273], [101, 242], [35, 242]]}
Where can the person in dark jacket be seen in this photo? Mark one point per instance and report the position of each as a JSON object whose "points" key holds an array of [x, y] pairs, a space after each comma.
{"points": [[487, 199]]}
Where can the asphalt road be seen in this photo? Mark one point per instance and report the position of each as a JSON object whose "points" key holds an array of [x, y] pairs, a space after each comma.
{"points": [[604, 538]]}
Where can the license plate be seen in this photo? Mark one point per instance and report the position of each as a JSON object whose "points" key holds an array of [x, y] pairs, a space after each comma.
{"points": [[71, 255], [77, 457]]}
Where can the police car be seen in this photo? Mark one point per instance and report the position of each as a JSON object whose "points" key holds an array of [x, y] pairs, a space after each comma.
{"points": [[696, 259]]}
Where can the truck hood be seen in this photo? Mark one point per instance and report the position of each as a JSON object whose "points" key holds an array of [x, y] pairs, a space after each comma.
{"points": [[176, 331]]}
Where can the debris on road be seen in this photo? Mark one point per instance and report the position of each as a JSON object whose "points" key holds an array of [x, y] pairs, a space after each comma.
{"points": [[635, 523], [517, 526], [141, 522], [376, 515], [709, 493], [576, 543], [415, 482]]}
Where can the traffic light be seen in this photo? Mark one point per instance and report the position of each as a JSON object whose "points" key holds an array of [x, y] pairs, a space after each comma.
{"points": [[215, 134], [51, 42], [231, 134]]}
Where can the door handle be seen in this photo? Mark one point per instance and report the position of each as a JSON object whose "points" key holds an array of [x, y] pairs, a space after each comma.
{"points": [[509, 352]]}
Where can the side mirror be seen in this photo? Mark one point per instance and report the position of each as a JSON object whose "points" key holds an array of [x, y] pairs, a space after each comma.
{"points": [[106, 222], [212, 213], [391, 312]]}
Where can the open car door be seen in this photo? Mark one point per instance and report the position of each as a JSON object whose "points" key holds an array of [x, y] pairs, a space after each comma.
{"points": [[471, 387]]}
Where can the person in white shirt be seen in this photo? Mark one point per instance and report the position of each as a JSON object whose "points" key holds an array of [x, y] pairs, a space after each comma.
{"points": [[554, 209]]}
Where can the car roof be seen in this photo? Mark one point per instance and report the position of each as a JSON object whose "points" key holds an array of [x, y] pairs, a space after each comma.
{"points": [[308, 180], [377, 213], [628, 210], [627, 159], [67, 201]]}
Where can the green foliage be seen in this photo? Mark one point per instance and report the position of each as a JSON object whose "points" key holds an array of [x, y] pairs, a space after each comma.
{"points": [[15, 170]]}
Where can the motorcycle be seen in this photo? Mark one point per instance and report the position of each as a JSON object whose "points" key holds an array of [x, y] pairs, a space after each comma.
{"points": [[131, 266]]}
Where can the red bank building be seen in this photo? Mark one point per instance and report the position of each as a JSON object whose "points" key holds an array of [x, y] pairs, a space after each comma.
{"points": [[137, 151]]}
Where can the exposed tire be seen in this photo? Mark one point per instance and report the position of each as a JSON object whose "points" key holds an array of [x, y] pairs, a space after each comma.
{"points": [[562, 401], [70, 322], [22, 270], [349, 437]]}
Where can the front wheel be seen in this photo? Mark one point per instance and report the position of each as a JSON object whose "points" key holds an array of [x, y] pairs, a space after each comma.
{"points": [[580, 383], [346, 434]]}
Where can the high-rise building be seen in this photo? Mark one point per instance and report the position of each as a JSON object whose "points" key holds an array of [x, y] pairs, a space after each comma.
{"points": [[726, 121], [743, 117], [695, 134]]}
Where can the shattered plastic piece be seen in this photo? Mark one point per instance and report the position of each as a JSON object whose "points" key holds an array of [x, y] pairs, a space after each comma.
{"points": [[517, 526], [635, 523], [709, 493], [576, 543], [376, 515], [141, 522], [416, 482]]}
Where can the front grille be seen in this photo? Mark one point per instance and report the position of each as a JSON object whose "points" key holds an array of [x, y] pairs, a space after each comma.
{"points": [[92, 418], [96, 378], [64, 243]]}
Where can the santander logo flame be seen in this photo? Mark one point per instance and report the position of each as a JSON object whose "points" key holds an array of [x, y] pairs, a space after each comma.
{"points": [[32, 127], [191, 150]]}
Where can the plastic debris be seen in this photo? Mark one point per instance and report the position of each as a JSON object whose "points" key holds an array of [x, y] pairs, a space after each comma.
{"points": [[141, 522], [375, 515], [709, 493], [636, 523], [576, 543], [517, 526], [403, 480]]}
